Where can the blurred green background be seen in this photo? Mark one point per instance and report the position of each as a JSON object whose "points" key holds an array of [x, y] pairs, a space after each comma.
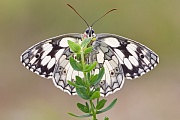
{"points": [[155, 23]]}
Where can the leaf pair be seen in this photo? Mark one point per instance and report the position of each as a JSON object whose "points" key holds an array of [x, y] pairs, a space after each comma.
{"points": [[76, 48], [86, 109]]}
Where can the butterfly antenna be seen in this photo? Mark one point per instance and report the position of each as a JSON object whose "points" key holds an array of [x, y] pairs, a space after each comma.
{"points": [[103, 16], [78, 14]]}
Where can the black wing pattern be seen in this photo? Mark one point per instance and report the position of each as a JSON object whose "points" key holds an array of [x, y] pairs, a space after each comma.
{"points": [[42, 57], [122, 59], [135, 58], [113, 78]]}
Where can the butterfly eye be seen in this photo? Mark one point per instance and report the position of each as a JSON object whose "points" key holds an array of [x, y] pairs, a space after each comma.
{"points": [[87, 31], [92, 31]]}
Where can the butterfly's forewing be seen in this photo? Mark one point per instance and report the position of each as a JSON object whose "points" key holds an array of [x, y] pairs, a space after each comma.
{"points": [[135, 58], [42, 57]]}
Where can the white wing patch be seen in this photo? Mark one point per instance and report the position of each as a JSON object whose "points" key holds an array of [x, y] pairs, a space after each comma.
{"points": [[111, 42]]}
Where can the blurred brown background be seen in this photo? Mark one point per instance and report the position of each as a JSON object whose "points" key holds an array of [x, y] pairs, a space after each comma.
{"points": [[155, 23]]}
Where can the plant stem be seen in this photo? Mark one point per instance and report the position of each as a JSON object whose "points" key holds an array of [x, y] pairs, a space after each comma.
{"points": [[88, 87], [82, 58], [92, 108], [83, 64]]}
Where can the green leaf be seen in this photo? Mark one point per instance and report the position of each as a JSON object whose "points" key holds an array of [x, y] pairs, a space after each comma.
{"points": [[106, 118], [88, 50], [79, 81], [83, 108], [76, 48], [97, 89], [95, 95], [108, 107], [87, 105], [78, 57], [101, 104], [74, 63], [82, 93], [93, 80], [80, 116], [85, 42], [87, 66], [94, 90], [79, 65], [75, 85], [97, 78], [101, 73], [88, 76], [91, 67]]}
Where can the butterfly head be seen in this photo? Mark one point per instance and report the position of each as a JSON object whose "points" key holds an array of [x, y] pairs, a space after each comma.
{"points": [[89, 33]]}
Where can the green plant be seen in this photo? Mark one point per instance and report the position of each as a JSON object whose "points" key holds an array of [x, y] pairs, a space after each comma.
{"points": [[87, 88]]}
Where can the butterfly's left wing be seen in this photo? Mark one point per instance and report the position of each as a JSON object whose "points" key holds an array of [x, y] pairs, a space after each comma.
{"points": [[42, 57]]}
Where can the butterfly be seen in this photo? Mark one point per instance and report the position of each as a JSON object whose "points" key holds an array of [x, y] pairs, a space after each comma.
{"points": [[121, 57]]}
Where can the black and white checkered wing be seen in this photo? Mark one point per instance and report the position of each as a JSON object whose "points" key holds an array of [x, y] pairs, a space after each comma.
{"points": [[42, 57], [113, 78], [135, 58], [63, 72], [122, 59]]}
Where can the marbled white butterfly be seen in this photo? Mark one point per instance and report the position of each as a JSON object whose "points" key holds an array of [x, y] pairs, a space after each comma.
{"points": [[121, 57]]}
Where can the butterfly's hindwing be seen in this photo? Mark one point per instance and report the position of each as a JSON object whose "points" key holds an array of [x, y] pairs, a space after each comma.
{"points": [[113, 78], [64, 72]]}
